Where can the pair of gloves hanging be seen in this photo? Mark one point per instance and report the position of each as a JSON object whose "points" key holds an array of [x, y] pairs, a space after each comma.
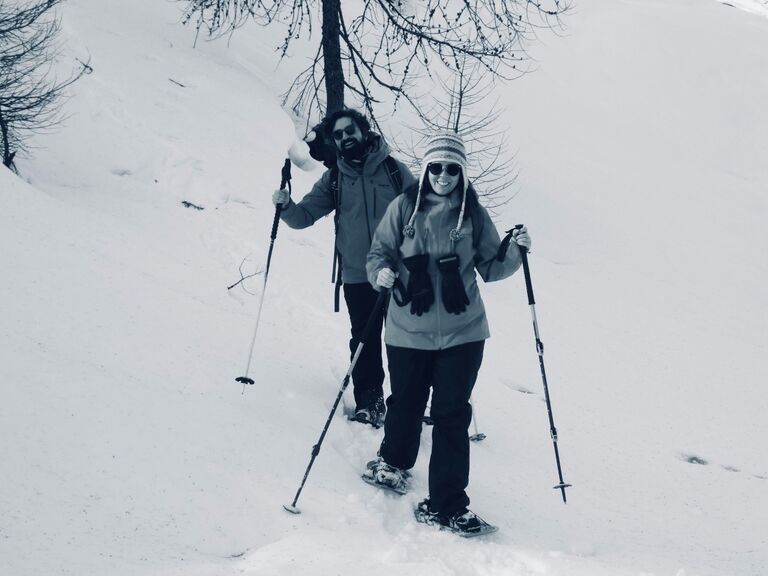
{"points": [[419, 292]]}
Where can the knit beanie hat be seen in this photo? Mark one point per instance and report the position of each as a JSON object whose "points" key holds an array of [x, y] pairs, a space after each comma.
{"points": [[445, 147]]}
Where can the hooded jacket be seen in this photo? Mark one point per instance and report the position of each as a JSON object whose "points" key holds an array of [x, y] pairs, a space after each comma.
{"points": [[365, 191], [437, 329]]}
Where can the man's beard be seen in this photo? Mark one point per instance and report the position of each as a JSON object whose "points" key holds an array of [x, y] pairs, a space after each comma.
{"points": [[354, 152]]}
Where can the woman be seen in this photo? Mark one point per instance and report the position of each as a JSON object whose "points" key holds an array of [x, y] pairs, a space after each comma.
{"points": [[427, 248]]}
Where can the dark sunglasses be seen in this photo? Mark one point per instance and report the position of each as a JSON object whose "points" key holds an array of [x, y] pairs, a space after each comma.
{"points": [[349, 130], [436, 168]]}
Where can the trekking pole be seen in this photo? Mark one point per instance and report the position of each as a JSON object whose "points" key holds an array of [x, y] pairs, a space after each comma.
{"points": [[285, 179], [477, 436], [383, 293], [539, 349]]}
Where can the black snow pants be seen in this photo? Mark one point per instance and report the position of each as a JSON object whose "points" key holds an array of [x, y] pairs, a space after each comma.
{"points": [[452, 374], [368, 375]]}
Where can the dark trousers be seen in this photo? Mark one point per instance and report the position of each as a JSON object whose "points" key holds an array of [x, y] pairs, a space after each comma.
{"points": [[368, 375], [451, 373]]}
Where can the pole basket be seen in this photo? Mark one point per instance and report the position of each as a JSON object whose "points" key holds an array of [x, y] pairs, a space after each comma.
{"points": [[292, 509]]}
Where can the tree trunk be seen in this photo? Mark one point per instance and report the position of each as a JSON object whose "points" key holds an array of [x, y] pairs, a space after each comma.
{"points": [[4, 135], [334, 75]]}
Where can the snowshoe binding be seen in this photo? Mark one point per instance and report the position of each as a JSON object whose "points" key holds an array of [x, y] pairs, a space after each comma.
{"points": [[464, 523], [380, 474]]}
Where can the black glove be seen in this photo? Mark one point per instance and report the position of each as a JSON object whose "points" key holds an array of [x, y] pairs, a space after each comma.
{"points": [[420, 293], [454, 296]]}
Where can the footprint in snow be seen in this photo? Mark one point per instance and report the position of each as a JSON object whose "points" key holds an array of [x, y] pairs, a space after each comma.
{"points": [[517, 387], [121, 172], [693, 459]]}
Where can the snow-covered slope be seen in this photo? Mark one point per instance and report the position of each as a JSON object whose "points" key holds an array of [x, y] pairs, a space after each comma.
{"points": [[127, 447], [753, 6]]}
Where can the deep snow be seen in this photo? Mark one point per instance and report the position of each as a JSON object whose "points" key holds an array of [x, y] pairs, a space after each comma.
{"points": [[127, 447]]}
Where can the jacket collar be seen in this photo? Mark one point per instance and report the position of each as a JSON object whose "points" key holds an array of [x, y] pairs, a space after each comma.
{"points": [[378, 150]]}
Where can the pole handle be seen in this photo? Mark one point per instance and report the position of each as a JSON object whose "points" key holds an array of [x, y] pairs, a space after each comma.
{"points": [[527, 272], [526, 268], [285, 179], [276, 222], [285, 173]]}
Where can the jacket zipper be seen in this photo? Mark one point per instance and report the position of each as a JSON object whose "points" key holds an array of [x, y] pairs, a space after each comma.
{"points": [[438, 285], [365, 205]]}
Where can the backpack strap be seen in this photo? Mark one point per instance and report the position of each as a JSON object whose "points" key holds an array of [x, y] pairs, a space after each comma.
{"points": [[393, 171], [336, 271]]}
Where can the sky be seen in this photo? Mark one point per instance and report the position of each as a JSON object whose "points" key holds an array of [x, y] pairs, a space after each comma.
{"points": [[127, 447]]}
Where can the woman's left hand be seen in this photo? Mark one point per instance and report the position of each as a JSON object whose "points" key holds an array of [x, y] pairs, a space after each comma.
{"points": [[521, 237]]}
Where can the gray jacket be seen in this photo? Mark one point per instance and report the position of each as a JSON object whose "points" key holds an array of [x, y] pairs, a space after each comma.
{"points": [[365, 191], [437, 329]]}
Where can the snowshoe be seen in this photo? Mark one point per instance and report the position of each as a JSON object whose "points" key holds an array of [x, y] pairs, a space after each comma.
{"points": [[380, 474], [464, 523]]}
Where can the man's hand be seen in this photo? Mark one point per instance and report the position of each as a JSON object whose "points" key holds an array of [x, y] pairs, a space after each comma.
{"points": [[280, 197]]}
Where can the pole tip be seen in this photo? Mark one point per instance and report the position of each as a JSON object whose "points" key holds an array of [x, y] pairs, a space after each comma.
{"points": [[291, 508], [562, 486]]}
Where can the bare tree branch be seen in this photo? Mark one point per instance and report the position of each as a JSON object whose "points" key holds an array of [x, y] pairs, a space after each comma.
{"points": [[30, 94], [389, 44], [462, 108], [387, 51]]}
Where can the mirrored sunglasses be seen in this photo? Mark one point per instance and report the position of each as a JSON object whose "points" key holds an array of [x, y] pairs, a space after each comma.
{"points": [[436, 168]]}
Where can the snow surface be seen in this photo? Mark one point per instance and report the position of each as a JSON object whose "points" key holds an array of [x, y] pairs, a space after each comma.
{"points": [[128, 449], [754, 6]]}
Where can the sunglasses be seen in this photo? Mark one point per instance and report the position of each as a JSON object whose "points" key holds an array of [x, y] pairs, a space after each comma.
{"points": [[436, 168], [350, 129]]}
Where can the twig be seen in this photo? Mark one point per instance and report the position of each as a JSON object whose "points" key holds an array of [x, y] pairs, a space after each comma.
{"points": [[190, 205], [244, 277]]}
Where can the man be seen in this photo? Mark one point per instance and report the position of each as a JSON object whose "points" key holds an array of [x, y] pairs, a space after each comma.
{"points": [[359, 189]]}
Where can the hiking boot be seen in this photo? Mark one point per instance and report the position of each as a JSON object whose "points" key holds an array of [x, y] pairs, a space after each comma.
{"points": [[373, 414], [464, 522], [362, 415], [383, 475], [378, 411], [424, 514]]}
